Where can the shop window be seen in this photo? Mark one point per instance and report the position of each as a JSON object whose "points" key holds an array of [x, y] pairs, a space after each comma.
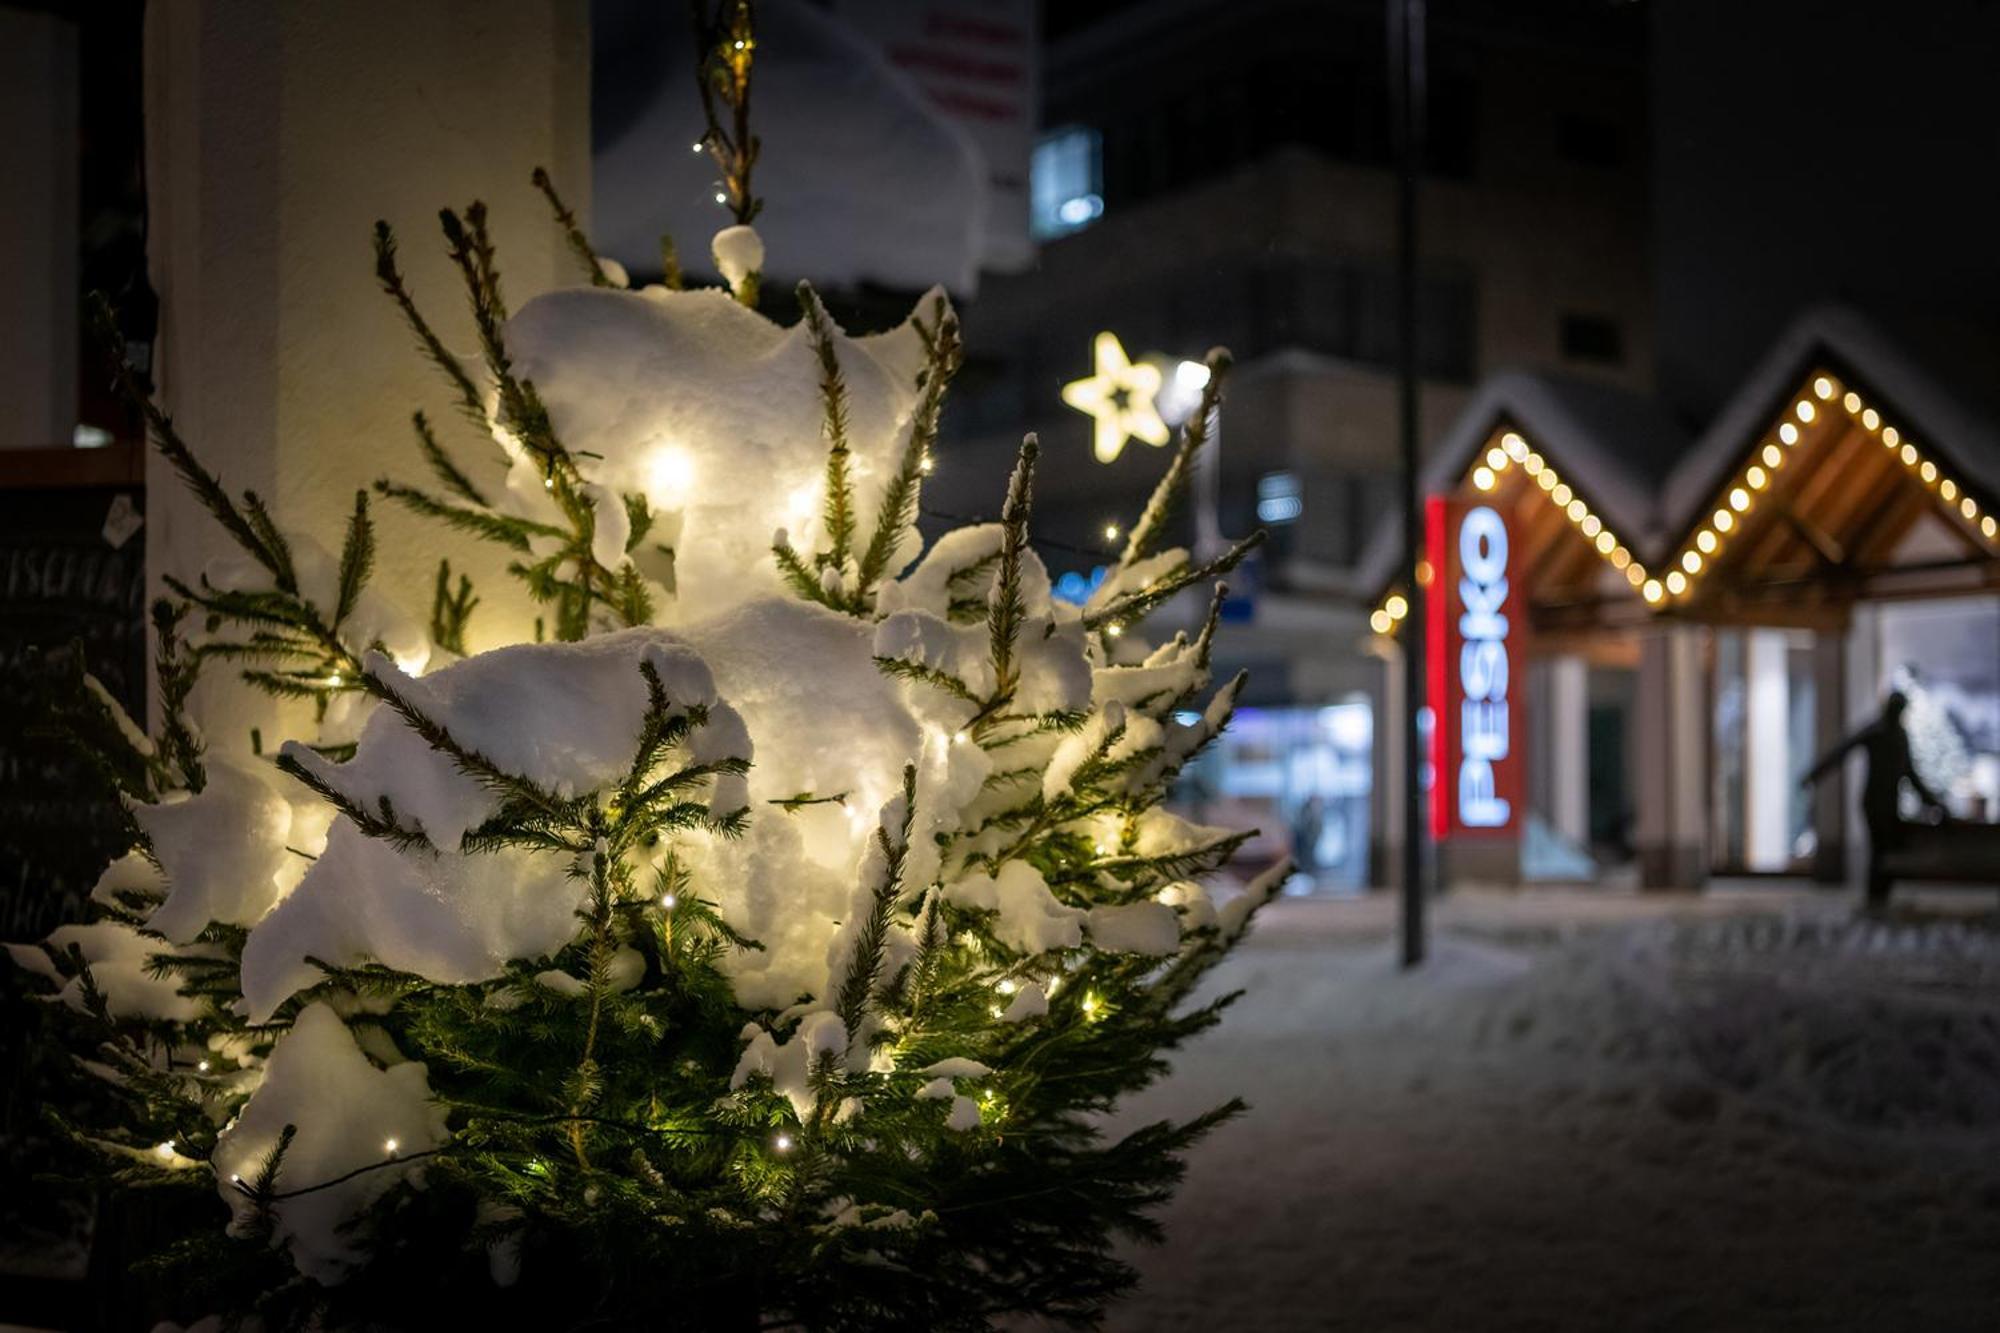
{"points": [[1945, 658], [1594, 338], [1066, 182]]}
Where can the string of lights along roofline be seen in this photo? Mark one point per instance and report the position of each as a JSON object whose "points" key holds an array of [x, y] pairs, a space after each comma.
{"points": [[1822, 393], [1510, 451]]}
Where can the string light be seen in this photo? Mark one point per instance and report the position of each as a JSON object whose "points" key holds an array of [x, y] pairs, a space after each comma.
{"points": [[201, 1067], [1757, 477], [1788, 433], [1676, 582], [1870, 419], [1483, 478], [669, 901], [165, 1151], [1823, 387], [1706, 540], [389, 1146], [1379, 622], [1006, 986], [1111, 532], [1114, 629], [1773, 456], [925, 464], [1397, 606], [783, 1142]]}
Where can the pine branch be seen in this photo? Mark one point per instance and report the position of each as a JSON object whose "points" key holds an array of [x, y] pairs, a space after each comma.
{"points": [[441, 464], [839, 516], [1150, 530], [728, 45], [1135, 606], [199, 480], [579, 244], [471, 404], [505, 529], [899, 498], [357, 559], [1005, 609], [935, 677], [864, 970], [450, 611]]}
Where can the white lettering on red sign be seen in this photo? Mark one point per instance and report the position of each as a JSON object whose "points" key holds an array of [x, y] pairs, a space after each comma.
{"points": [[1482, 667]]}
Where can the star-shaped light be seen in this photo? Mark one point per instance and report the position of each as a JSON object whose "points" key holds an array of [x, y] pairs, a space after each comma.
{"points": [[1119, 397]]}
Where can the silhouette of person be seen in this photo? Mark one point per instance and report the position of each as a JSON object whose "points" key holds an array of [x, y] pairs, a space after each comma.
{"points": [[1887, 748]]}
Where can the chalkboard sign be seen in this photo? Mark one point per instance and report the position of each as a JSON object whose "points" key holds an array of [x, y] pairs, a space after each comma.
{"points": [[72, 571]]}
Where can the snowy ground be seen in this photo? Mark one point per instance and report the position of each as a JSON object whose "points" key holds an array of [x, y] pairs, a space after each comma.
{"points": [[1743, 1110]]}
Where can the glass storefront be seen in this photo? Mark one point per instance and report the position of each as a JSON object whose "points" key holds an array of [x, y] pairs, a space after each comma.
{"points": [[1301, 777], [1945, 657]]}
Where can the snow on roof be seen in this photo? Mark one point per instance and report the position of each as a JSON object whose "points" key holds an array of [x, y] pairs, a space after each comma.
{"points": [[1616, 446], [1936, 380]]}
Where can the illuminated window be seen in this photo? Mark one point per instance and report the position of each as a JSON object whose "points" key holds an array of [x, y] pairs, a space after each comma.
{"points": [[1066, 182], [1278, 498]]}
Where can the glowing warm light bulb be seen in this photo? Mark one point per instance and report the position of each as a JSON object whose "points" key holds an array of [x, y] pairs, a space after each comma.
{"points": [[1948, 489], [1986, 525], [1909, 454], [1561, 493], [1788, 433], [1773, 456], [669, 473], [1006, 986], [1968, 507], [1928, 471], [1739, 499], [165, 1150], [1652, 591], [1397, 606], [958, 738], [1114, 629], [1634, 574], [1482, 477], [1516, 447], [1111, 532], [202, 1067], [389, 1146], [1723, 520], [1532, 465], [721, 198], [1496, 458], [1890, 436], [697, 146], [1676, 582], [1806, 411], [1823, 387], [1871, 419], [783, 1143], [669, 901], [1705, 539], [926, 464], [1606, 543], [1577, 511], [1379, 622], [1852, 402], [1756, 476], [1691, 562]]}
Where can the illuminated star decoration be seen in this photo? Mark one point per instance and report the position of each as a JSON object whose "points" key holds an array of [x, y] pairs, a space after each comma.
{"points": [[1119, 397]]}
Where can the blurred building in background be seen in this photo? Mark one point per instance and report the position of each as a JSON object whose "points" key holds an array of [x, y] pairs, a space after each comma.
{"points": [[1221, 174]]}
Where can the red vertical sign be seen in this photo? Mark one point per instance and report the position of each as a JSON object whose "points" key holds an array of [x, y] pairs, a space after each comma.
{"points": [[1475, 627]]}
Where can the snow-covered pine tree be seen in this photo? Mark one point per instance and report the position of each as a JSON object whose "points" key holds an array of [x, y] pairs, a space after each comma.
{"points": [[759, 951]]}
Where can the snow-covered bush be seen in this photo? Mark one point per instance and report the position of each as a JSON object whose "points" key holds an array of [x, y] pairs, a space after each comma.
{"points": [[762, 945]]}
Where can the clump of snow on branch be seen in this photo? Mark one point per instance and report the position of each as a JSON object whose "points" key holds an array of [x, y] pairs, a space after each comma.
{"points": [[351, 1117]]}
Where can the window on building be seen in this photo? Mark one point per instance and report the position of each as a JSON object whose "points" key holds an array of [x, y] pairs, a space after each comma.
{"points": [[1279, 499], [1589, 141], [1595, 338], [1066, 182]]}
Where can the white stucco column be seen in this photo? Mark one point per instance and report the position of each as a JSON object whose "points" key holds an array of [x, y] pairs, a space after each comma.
{"points": [[1672, 736], [275, 136], [1767, 785], [1569, 747], [38, 230]]}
